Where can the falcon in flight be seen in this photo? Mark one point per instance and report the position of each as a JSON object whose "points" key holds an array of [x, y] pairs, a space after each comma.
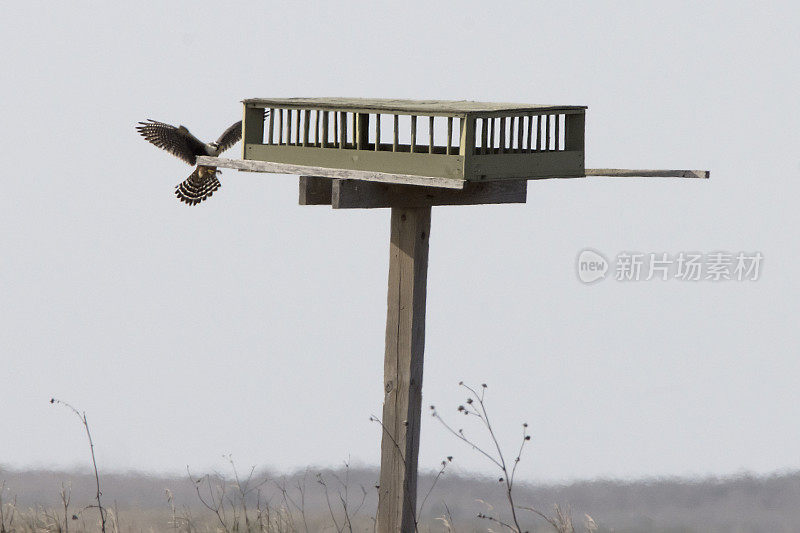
{"points": [[202, 183]]}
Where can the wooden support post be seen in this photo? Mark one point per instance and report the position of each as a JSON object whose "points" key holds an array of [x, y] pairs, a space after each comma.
{"points": [[405, 344]]}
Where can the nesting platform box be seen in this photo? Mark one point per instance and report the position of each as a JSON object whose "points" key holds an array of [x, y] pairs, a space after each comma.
{"points": [[458, 140]]}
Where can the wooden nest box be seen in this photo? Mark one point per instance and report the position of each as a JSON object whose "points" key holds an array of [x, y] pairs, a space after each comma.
{"points": [[441, 143], [410, 155]]}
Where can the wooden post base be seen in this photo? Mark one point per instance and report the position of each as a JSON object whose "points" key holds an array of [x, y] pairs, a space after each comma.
{"points": [[405, 345]]}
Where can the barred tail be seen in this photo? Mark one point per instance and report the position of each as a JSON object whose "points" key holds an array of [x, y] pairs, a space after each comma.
{"points": [[199, 186]]}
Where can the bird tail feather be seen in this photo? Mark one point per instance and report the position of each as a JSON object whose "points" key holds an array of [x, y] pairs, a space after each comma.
{"points": [[200, 185]]}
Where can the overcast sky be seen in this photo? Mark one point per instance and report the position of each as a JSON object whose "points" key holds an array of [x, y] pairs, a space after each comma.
{"points": [[253, 326]]}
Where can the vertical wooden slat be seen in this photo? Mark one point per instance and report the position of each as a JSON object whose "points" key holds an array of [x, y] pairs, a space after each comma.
{"points": [[512, 126], [294, 134], [306, 122], [430, 135], [377, 132], [467, 145], [280, 126], [336, 129], [449, 135], [491, 136], [484, 135], [530, 133], [289, 126], [396, 132], [403, 369], [547, 133], [354, 132], [557, 117], [413, 133], [502, 134], [316, 128], [361, 131], [520, 126], [325, 118], [342, 129], [297, 128], [271, 123], [538, 133]]}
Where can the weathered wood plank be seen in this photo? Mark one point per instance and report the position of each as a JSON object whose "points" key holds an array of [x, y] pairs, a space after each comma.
{"points": [[630, 173], [418, 164], [356, 194], [520, 166], [250, 165], [403, 361], [410, 107], [315, 190], [574, 132], [252, 126]]}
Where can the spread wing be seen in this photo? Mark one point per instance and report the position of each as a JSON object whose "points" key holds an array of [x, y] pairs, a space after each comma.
{"points": [[177, 141], [230, 136]]}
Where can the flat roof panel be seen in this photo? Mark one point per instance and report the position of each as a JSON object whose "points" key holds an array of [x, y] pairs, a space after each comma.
{"points": [[400, 106]]}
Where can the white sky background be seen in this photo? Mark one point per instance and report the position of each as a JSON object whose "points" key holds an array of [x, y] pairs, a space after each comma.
{"points": [[252, 326]]}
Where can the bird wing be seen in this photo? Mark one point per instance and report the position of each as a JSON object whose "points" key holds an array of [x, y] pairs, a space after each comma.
{"points": [[177, 141], [230, 136]]}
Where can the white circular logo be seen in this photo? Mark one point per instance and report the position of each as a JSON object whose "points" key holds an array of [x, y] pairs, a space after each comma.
{"points": [[592, 266]]}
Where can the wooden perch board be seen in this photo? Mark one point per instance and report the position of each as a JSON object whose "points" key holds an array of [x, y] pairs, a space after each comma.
{"points": [[626, 173], [491, 194], [250, 165]]}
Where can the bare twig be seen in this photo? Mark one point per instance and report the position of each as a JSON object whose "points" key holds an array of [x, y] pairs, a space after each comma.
{"points": [[321, 481], [476, 406], [216, 498], [433, 485], [66, 497], [82, 416]]}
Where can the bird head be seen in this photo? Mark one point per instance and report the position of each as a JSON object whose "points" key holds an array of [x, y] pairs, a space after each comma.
{"points": [[214, 146]]}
